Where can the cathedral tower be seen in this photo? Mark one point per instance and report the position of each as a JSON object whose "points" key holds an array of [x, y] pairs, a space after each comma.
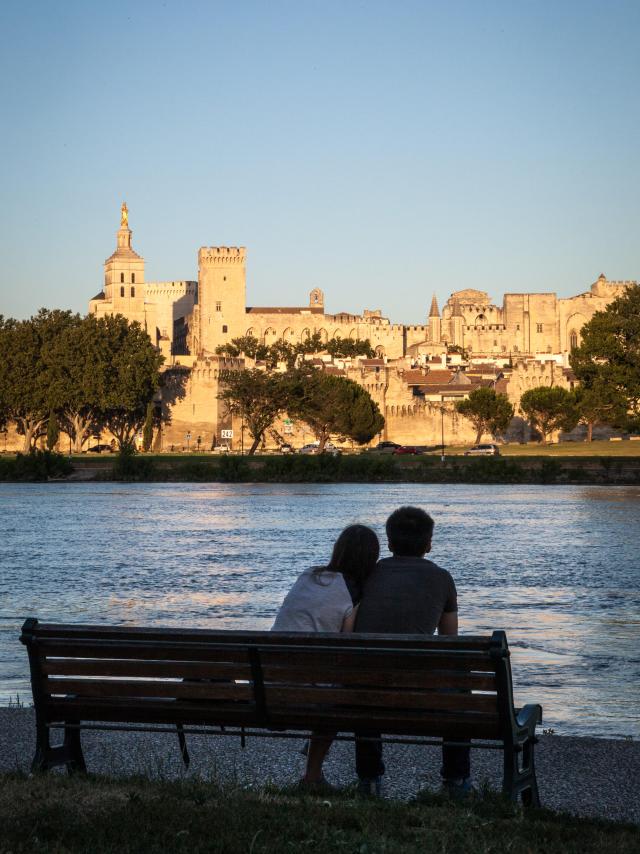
{"points": [[124, 275], [222, 298]]}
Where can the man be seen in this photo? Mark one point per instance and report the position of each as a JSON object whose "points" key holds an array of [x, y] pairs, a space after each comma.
{"points": [[407, 594]]}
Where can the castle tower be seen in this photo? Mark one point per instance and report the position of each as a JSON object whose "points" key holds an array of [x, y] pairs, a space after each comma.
{"points": [[435, 323], [124, 275], [222, 300]]}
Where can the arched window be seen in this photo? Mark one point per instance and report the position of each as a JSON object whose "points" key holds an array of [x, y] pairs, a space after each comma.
{"points": [[121, 278], [133, 278], [305, 335], [481, 320], [121, 292], [573, 340], [133, 292], [323, 335]]}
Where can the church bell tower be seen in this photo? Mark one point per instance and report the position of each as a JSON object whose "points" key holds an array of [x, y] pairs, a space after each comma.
{"points": [[124, 275]]}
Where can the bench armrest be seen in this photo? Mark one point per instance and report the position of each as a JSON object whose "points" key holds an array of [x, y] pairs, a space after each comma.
{"points": [[527, 718]]}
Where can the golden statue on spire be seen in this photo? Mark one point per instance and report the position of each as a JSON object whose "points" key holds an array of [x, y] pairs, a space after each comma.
{"points": [[124, 216]]}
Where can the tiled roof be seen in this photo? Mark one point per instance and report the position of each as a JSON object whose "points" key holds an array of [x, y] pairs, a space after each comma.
{"points": [[98, 296], [372, 363]]}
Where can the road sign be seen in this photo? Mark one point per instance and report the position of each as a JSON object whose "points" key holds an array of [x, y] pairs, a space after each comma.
{"points": [[226, 434]]}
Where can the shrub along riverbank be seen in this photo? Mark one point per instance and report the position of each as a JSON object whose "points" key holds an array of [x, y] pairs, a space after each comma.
{"points": [[100, 815], [370, 468], [361, 468]]}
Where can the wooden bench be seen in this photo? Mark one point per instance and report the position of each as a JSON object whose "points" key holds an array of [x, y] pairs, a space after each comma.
{"points": [[415, 688]]}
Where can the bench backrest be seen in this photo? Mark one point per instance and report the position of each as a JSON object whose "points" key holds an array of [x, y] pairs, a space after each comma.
{"points": [[454, 687]]}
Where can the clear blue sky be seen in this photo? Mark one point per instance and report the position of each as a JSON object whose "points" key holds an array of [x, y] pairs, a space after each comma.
{"points": [[380, 151]]}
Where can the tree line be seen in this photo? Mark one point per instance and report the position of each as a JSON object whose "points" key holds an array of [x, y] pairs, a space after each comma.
{"points": [[330, 405], [81, 375]]}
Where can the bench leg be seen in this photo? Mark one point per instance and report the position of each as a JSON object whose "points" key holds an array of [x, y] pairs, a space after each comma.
{"points": [[182, 741], [68, 753], [73, 747], [521, 782]]}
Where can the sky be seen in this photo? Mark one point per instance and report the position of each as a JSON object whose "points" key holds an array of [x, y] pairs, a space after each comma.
{"points": [[382, 151]]}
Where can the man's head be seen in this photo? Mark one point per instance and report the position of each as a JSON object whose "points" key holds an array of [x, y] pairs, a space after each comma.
{"points": [[409, 532]]}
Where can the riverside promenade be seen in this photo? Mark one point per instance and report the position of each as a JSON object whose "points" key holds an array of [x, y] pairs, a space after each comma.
{"points": [[588, 777]]}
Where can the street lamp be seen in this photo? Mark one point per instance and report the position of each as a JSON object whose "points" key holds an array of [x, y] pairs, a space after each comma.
{"points": [[442, 431]]}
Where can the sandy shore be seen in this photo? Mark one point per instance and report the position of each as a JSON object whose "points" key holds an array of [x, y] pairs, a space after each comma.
{"points": [[586, 776]]}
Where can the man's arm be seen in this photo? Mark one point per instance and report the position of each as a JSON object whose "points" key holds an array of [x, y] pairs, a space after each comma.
{"points": [[448, 624]]}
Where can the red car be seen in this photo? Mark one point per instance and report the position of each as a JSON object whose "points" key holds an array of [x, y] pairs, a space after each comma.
{"points": [[406, 449]]}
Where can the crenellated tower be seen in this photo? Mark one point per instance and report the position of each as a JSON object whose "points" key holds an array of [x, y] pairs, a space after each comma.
{"points": [[222, 300]]}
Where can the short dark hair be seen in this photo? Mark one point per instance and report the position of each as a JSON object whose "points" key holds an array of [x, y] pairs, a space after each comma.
{"points": [[409, 531]]}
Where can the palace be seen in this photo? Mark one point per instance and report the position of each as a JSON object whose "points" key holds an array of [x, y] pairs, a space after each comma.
{"points": [[187, 320]]}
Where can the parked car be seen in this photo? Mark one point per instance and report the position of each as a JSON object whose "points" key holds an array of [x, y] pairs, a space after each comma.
{"points": [[286, 449], [488, 450], [406, 449], [384, 448], [222, 449], [100, 449], [313, 447]]}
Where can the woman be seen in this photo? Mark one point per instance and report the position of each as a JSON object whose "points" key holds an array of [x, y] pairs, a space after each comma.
{"points": [[326, 599]]}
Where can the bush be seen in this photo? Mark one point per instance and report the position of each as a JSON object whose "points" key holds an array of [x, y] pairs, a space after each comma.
{"points": [[35, 466], [129, 466]]}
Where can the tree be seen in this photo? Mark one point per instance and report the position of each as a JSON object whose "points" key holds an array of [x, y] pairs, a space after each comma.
{"points": [[147, 429], [255, 396], [332, 404], [600, 403], [347, 347], [549, 408], [608, 359], [488, 411], [26, 369], [81, 359], [130, 378], [53, 431], [283, 351]]}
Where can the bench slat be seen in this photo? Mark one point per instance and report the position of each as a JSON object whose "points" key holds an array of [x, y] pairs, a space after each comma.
{"points": [[391, 678], [143, 688], [295, 696], [152, 711], [140, 652], [178, 669], [124, 633], [378, 660]]}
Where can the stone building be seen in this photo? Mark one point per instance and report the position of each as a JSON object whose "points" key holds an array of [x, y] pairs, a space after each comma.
{"points": [[188, 320]]}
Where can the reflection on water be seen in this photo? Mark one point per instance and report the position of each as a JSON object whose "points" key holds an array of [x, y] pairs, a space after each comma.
{"points": [[557, 568]]}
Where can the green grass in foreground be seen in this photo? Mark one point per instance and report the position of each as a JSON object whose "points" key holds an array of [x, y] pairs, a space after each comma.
{"points": [[60, 814]]}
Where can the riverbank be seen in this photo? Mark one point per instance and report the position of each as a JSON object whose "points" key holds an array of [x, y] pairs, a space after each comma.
{"points": [[362, 468], [588, 777], [600, 463]]}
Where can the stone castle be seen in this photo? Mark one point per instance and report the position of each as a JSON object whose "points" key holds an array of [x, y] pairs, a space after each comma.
{"points": [[410, 378]]}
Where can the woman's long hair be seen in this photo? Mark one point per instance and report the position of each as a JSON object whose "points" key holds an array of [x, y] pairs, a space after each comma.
{"points": [[355, 553]]}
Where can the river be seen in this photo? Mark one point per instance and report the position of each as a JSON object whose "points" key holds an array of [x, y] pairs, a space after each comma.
{"points": [[557, 567]]}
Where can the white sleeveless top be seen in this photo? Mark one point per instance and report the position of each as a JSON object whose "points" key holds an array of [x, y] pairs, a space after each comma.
{"points": [[317, 602]]}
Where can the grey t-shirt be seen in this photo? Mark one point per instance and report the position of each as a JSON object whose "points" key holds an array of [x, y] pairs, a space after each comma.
{"points": [[406, 595], [317, 602]]}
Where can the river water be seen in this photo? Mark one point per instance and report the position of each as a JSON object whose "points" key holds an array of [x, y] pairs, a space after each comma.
{"points": [[557, 567]]}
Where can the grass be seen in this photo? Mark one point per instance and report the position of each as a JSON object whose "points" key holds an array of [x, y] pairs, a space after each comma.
{"points": [[59, 814], [599, 448]]}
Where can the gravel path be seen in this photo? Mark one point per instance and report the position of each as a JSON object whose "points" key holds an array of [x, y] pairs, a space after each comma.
{"points": [[586, 776]]}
